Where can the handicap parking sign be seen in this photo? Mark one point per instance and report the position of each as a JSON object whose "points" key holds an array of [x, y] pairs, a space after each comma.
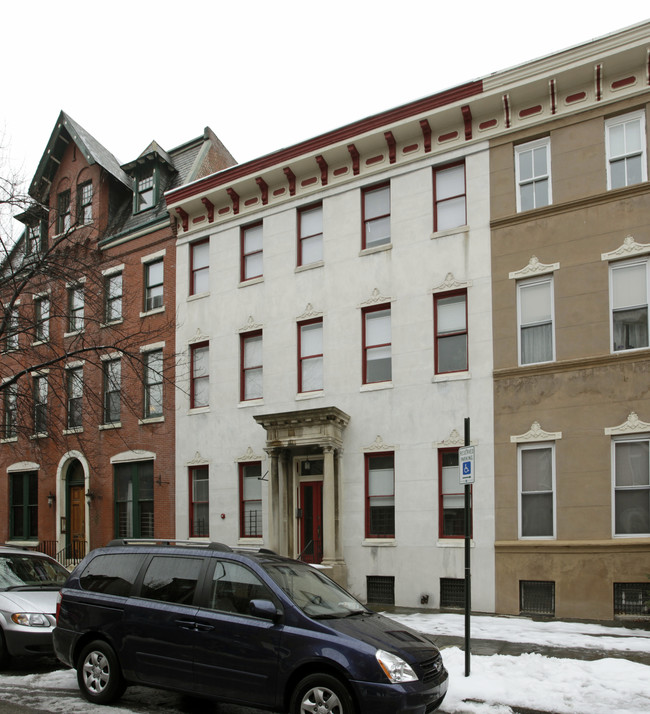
{"points": [[466, 463]]}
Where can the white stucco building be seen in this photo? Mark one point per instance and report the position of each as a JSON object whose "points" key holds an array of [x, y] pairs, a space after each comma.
{"points": [[334, 311]]}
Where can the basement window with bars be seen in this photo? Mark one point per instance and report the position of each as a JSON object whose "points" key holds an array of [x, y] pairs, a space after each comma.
{"points": [[452, 593], [537, 597], [380, 589], [632, 599]]}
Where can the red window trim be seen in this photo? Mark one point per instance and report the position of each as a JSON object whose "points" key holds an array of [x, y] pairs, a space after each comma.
{"points": [[364, 347], [436, 297], [193, 348], [190, 473], [436, 171], [242, 502], [299, 356], [364, 192], [193, 271], [243, 255], [367, 459], [242, 370], [302, 237]]}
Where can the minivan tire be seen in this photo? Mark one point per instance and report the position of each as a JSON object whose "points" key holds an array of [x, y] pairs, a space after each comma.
{"points": [[98, 673], [4, 652], [321, 692]]}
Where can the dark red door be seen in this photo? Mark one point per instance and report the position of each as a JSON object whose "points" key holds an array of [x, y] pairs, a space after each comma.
{"points": [[311, 523]]}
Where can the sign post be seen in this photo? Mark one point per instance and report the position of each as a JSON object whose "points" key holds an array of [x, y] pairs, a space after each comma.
{"points": [[467, 473]]}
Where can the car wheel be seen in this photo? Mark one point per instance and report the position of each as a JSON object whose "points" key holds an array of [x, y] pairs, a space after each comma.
{"points": [[98, 673], [321, 693], [4, 652]]}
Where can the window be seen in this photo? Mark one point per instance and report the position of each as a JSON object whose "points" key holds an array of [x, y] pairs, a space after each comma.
{"points": [[153, 384], [251, 252], [632, 599], [452, 496], [380, 589], [250, 493], [629, 300], [75, 396], [376, 345], [42, 318], [533, 174], [310, 235], [233, 587], [537, 597], [24, 505], [452, 593], [200, 267], [380, 496], [113, 297], [376, 216], [36, 238], [199, 501], [153, 281], [171, 579], [63, 212], [449, 197], [251, 365], [112, 382], [535, 305], [40, 404], [537, 491], [631, 487], [626, 150], [450, 312], [310, 355], [10, 411], [112, 574], [134, 499], [199, 375], [145, 193], [12, 329], [75, 308], [85, 203]]}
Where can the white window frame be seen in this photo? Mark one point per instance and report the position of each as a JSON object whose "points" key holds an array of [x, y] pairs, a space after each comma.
{"points": [[519, 151], [529, 447], [621, 265], [546, 278], [617, 121], [632, 438]]}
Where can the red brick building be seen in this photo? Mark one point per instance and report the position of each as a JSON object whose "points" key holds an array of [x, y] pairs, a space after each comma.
{"points": [[88, 353]]}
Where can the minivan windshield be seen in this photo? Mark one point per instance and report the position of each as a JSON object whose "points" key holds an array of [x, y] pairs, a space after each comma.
{"points": [[30, 572], [315, 594]]}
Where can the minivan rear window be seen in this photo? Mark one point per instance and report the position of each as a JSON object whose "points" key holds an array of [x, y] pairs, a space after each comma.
{"points": [[112, 574]]}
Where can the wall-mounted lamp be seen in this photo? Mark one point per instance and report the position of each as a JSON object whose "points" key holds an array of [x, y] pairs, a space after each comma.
{"points": [[51, 499], [90, 496]]}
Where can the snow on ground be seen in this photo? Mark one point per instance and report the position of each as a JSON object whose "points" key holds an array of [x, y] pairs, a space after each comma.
{"points": [[496, 683]]}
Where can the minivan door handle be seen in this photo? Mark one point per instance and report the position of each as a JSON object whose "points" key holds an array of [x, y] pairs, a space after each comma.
{"points": [[186, 624], [203, 628]]}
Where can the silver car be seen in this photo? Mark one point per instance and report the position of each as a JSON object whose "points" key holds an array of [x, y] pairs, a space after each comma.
{"points": [[29, 583]]}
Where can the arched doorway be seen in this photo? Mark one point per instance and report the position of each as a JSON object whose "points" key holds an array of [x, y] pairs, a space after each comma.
{"points": [[75, 540]]}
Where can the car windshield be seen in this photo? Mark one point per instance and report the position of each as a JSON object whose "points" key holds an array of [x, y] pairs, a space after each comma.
{"points": [[315, 594], [18, 571]]}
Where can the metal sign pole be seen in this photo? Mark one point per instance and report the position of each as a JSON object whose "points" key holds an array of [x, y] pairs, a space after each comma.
{"points": [[468, 573]]}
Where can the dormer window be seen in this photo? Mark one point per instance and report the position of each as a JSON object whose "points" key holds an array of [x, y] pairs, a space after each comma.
{"points": [[145, 193]]}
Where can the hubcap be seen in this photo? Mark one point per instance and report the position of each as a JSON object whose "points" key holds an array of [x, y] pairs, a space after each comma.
{"points": [[97, 672], [320, 700]]}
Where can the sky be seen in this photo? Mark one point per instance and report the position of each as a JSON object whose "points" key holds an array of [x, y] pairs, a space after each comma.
{"points": [[496, 683], [263, 75]]}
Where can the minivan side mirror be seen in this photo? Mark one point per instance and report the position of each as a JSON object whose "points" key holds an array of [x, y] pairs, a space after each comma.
{"points": [[264, 609]]}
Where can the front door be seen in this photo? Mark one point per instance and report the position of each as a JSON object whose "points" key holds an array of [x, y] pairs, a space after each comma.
{"points": [[77, 522], [311, 522]]}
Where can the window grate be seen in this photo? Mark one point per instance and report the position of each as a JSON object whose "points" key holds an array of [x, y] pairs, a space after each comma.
{"points": [[537, 597], [632, 599], [380, 589], [452, 593]]}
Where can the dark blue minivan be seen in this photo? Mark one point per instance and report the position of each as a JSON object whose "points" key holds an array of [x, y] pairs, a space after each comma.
{"points": [[241, 626]]}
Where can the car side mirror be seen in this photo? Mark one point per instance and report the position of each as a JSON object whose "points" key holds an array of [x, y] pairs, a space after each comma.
{"points": [[264, 609]]}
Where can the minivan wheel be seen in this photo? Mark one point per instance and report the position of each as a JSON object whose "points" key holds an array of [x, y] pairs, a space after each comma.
{"points": [[321, 694], [98, 673]]}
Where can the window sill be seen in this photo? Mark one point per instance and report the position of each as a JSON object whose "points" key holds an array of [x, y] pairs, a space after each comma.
{"points": [[316, 394], [376, 386], [376, 249], [451, 377], [9, 440], [251, 402], [155, 311], [22, 543], [114, 425], [252, 541], [152, 420], [119, 321], [309, 266], [73, 430], [198, 410], [459, 230], [198, 296], [456, 542], [40, 435], [73, 333], [380, 542], [251, 281], [36, 343]]}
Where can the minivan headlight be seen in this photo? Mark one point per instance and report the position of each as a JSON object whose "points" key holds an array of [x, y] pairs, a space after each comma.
{"points": [[30, 619], [395, 668]]}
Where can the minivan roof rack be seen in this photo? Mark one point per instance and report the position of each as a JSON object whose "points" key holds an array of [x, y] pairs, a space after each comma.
{"points": [[169, 541]]}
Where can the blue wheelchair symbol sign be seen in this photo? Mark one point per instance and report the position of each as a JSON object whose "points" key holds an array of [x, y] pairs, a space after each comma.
{"points": [[467, 468]]}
